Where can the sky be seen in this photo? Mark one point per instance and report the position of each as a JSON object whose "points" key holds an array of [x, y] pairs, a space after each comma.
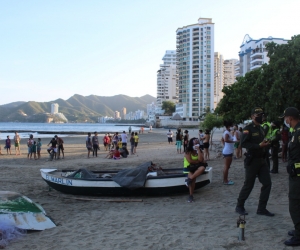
{"points": [[55, 49]]}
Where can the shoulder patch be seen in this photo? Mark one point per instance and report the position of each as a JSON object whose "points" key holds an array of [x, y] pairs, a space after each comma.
{"points": [[246, 132]]}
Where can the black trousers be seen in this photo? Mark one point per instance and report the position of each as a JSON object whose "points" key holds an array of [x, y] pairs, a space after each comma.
{"points": [[275, 157], [294, 203], [258, 167], [95, 149]]}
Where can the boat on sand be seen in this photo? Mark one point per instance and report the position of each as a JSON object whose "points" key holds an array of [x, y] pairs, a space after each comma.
{"points": [[145, 179]]}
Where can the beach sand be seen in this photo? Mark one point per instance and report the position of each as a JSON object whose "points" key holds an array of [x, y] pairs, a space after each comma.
{"points": [[167, 222]]}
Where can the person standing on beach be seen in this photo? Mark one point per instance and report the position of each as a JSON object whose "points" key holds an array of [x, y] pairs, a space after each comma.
{"points": [[253, 139], [109, 141], [201, 138], [129, 129], [178, 140], [89, 145], [95, 142], [170, 136], [33, 150], [206, 144], [185, 140], [124, 139], [228, 141], [39, 148], [292, 120], [136, 141], [237, 138], [60, 147], [132, 143], [17, 140], [105, 141], [8, 145], [29, 145], [52, 150]]}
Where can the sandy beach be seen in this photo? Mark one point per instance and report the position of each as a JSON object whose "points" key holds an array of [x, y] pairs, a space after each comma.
{"points": [[167, 222]]}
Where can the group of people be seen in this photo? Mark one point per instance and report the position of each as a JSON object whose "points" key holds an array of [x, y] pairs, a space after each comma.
{"points": [[182, 139], [8, 144], [257, 140], [116, 144]]}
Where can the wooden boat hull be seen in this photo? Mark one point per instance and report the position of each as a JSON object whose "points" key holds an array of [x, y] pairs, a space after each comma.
{"points": [[154, 186]]}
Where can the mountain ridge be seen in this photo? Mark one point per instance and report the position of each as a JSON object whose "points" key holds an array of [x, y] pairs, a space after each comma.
{"points": [[76, 108]]}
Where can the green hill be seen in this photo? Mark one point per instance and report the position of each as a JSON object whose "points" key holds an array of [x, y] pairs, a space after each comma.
{"points": [[77, 108]]}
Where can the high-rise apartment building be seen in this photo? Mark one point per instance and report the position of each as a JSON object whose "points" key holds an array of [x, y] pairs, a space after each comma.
{"points": [[123, 113], [218, 77], [54, 108], [253, 53], [166, 79], [117, 115], [195, 68], [229, 71]]}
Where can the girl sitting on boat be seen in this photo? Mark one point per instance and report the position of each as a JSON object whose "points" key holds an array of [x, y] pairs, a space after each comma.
{"points": [[194, 165]]}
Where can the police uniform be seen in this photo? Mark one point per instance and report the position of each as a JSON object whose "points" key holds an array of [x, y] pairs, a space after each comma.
{"points": [[293, 168], [275, 137], [255, 166], [267, 130]]}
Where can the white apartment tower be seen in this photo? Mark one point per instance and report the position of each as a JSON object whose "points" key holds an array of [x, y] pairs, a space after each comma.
{"points": [[195, 68], [218, 78], [166, 79], [253, 53], [54, 108]]}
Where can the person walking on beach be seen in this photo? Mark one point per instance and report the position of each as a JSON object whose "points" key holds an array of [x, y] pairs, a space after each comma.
{"points": [[185, 140], [292, 120], [39, 148], [206, 144], [178, 140], [60, 147], [17, 141], [170, 136], [129, 130], [29, 145], [228, 142], [132, 141], [89, 145], [8, 145], [136, 141], [193, 165], [253, 139], [95, 142]]}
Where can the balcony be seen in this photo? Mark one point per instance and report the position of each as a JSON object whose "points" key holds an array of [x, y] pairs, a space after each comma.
{"points": [[257, 60], [255, 65]]}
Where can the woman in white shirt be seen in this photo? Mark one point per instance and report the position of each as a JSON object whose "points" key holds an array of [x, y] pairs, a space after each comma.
{"points": [[228, 149]]}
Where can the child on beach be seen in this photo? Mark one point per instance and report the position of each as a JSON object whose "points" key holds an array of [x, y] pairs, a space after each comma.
{"points": [[33, 150], [38, 148], [8, 145]]}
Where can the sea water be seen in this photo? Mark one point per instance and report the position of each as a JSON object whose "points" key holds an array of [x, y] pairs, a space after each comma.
{"points": [[37, 129]]}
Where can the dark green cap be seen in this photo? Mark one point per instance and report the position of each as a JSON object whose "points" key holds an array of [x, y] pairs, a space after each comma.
{"points": [[257, 111]]}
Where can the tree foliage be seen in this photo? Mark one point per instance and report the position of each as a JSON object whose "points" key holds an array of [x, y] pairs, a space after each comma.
{"points": [[169, 107], [211, 122], [274, 86]]}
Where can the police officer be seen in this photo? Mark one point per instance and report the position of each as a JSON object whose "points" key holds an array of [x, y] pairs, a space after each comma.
{"points": [[267, 130], [291, 119], [275, 137], [253, 139]]}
